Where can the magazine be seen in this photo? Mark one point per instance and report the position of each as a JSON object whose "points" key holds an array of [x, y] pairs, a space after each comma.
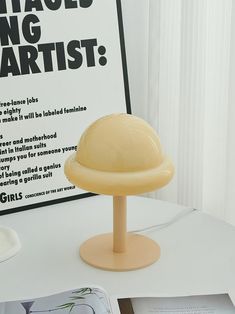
{"points": [[94, 300], [196, 304], [83, 300]]}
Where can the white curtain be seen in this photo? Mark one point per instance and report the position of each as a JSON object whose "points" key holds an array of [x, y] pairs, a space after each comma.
{"points": [[191, 99]]}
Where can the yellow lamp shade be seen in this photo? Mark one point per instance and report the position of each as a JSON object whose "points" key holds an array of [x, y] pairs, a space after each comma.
{"points": [[119, 154]]}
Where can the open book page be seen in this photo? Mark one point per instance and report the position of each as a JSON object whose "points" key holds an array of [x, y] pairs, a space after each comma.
{"points": [[80, 301], [205, 304]]}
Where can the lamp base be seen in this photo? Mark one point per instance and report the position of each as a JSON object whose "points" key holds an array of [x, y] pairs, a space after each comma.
{"points": [[141, 252]]}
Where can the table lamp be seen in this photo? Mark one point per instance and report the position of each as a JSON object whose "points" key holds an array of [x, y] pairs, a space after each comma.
{"points": [[119, 155]]}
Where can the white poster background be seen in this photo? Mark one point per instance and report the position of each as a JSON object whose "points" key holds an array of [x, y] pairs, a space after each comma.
{"points": [[101, 89]]}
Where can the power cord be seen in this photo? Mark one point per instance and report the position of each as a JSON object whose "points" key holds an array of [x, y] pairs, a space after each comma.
{"points": [[180, 215]]}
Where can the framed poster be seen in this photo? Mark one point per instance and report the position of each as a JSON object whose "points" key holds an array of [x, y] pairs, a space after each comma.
{"points": [[62, 66]]}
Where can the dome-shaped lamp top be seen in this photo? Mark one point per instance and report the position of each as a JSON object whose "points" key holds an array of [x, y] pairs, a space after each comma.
{"points": [[119, 154]]}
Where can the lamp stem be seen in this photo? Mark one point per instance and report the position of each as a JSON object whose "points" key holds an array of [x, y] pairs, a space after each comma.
{"points": [[119, 224]]}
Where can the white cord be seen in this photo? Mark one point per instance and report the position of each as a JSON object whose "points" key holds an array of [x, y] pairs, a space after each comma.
{"points": [[165, 224]]}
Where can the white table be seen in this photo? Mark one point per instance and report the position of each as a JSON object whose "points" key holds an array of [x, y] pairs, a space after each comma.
{"points": [[198, 251]]}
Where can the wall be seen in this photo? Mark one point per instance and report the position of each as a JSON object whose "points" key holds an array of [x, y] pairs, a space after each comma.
{"points": [[135, 19]]}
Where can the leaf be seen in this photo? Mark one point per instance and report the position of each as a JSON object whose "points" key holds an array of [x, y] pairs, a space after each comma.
{"points": [[77, 298], [66, 305], [82, 291], [71, 308]]}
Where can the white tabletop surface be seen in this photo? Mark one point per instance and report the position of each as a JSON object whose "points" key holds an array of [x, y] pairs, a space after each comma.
{"points": [[198, 251]]}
